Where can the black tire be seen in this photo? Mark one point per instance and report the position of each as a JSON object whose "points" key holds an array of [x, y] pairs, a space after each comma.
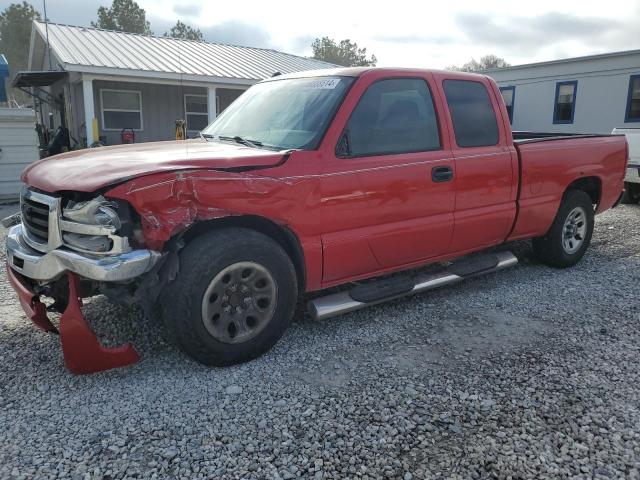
{"points": [[200, 261], [631, 194], [550, 249]]}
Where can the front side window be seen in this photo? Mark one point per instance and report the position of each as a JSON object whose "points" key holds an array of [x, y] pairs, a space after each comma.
{"points": [[392, 116], [121, 109], [290, 113], [633, 102], [472, 114], [508, 95], [196, 113], [565, 102]]}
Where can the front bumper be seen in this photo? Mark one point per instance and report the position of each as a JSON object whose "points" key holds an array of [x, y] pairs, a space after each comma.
{"points": [[81, 349], [49, 266]]}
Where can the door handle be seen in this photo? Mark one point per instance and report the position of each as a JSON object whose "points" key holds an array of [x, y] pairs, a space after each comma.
{"points": [[442, 174]]}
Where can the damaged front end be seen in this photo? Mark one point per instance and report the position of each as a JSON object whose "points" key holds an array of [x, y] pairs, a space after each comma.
{"points": [[124, 244], [61, 240]]}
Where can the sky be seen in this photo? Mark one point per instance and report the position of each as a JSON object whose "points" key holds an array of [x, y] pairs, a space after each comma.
{"points": [[400, 33]]}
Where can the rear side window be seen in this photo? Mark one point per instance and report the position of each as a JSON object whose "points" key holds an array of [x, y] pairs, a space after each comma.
{"points": [[392, 116], [508, 95], [474, 120]]}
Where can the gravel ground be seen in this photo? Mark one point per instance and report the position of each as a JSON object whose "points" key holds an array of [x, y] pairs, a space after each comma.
{"points": [[527, 373]]}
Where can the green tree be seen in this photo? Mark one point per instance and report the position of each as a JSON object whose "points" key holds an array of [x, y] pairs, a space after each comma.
{"points": [[344, 53], [487, 62], [185, 32], [15, 35], [124, 16]]}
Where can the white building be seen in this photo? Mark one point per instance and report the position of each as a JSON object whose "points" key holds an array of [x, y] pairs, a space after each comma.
{"points": [[590, 94]]}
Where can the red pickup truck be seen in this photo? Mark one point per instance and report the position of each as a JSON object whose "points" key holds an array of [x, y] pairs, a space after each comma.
{"points": [[307, 181]]}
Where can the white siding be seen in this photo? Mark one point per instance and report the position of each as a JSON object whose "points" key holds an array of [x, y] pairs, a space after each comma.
{"points": [[601, 98], [19, 144]]}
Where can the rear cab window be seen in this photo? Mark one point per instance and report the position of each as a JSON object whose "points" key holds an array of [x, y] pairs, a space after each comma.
{"points": [[393, 116], [472, 113]]}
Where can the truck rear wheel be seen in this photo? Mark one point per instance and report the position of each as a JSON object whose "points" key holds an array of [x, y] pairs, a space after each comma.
{"points": [[570, 234], [233, 298]]}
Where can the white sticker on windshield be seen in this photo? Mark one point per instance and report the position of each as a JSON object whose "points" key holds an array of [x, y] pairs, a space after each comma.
{"points": [[324, 83]]}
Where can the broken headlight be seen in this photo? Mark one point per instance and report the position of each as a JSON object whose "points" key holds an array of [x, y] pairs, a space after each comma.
{"points": [[91, 226], [98, 211]]}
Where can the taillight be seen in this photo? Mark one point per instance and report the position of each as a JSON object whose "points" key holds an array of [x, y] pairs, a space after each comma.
{"points": [[626, 149]]}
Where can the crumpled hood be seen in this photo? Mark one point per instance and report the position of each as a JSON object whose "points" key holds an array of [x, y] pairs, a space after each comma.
{"points": [[94, 168]]}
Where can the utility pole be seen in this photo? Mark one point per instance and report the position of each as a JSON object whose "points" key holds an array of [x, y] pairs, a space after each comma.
{"points": [[46, 28]]}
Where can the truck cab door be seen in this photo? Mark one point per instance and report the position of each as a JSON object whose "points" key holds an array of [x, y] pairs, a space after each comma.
{"points": [[485, 162], [388, 188]]}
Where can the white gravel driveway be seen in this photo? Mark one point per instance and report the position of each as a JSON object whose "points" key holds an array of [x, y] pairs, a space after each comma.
{"points": [[526, 373]]}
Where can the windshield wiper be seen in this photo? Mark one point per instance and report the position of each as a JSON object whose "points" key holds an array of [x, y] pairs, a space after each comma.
{"points": [[242, 141], [206, 136]]}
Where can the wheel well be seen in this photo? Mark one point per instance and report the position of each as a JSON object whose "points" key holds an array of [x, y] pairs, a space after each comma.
{"points": [[592, 186], [282, 235]]}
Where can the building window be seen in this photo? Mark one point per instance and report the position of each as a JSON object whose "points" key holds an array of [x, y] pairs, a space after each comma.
{"points": [[633, 100], [196, 113], [121, 109], [472, 114], [565, 104], [509, 95]]}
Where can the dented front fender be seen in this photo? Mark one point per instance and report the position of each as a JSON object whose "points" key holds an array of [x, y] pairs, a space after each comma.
{"points": [[169, 203]]}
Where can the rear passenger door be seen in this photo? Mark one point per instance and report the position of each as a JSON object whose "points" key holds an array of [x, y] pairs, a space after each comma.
{"points": [[485, 163], [389, 190]]}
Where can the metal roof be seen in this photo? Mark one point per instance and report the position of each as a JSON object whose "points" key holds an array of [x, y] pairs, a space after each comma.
{"points": [[93, 50], [565, 60]]}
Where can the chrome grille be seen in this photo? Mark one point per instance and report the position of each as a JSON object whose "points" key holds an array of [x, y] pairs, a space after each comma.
{"points": [[40, 219], [35, 218], [43, 226]]}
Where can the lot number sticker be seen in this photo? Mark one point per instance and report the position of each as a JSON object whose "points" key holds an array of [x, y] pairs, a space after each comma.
{"points": [[324, 83]]}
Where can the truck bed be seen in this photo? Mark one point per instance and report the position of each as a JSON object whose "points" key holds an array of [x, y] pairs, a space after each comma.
{"points": [[520, 137], [551, 161]]}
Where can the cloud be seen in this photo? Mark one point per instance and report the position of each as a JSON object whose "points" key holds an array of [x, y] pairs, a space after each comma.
{"points": [[82, 12], [238, 33], [230, 32], [301, 45], [527, 35], [71, 12], [415, 38], [187, 10]]}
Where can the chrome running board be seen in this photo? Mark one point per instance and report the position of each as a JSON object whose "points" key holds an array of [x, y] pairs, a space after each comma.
{"points": [[380, 291]]}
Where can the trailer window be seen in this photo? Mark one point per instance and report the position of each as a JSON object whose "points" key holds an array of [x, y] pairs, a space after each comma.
{"points": [[509, 95], [121, 109], [633, 101], [565, 105], [472, 114], [392, 116]]}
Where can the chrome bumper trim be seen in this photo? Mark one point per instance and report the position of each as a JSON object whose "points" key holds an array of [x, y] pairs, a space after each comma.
{"points": [[49, 266]]}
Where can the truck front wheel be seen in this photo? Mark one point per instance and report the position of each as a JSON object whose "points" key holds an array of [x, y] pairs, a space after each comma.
{"points": [[233, 298], [570, 234]]}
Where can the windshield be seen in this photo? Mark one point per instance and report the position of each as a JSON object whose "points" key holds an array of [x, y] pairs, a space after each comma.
{"points": [[283, 114]]}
